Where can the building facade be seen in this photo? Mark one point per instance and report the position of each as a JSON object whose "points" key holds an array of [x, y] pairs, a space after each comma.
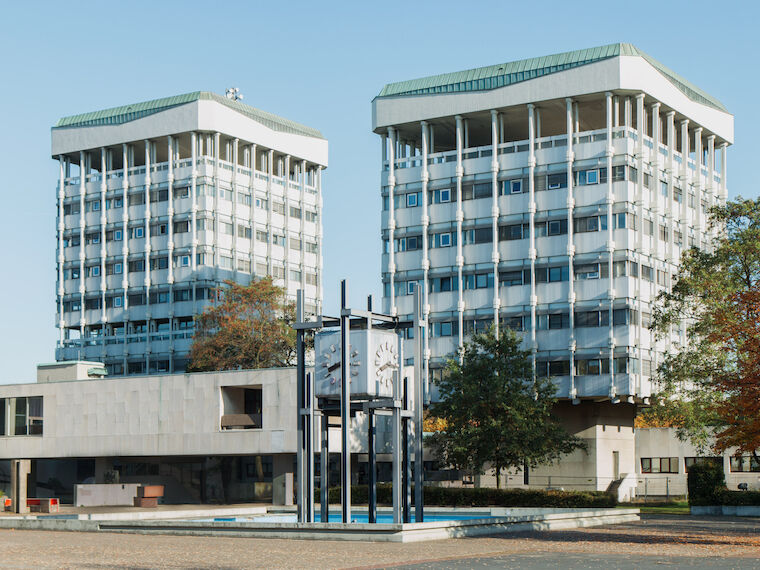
{"points": [[158, 203], [663, 462], [553, 196], [213, 437]]}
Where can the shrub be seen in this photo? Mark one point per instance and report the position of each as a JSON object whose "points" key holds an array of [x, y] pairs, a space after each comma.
{"points": [[706, 482], [485, 497], [738, 498]]}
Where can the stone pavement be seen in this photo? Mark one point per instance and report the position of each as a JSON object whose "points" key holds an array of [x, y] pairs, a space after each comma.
{"points": [[698, 542]]}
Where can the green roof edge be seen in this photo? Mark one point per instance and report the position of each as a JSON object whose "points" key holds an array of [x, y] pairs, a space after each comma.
{"points": [[126, 113], [510, 73]]}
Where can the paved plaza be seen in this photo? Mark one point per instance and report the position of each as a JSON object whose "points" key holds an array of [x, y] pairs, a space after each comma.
{"points": [[676, 541]]}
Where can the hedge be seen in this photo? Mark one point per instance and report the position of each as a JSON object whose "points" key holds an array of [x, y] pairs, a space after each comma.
{"points": [[485, 497], [705, 482]]}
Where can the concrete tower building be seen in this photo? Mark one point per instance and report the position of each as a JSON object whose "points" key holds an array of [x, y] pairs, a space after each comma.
{"points": [[159, 202], [553, 196]]}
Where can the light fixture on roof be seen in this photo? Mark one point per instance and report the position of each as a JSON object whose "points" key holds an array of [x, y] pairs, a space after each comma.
{"points": [[233, 93]]}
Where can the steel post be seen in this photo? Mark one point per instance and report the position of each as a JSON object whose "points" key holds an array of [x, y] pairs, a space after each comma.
{"points": [[345, 405]]}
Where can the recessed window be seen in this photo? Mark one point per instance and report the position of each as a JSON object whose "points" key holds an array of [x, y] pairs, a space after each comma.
{"points": [[117, 301], [445, 240], [411, 200]]}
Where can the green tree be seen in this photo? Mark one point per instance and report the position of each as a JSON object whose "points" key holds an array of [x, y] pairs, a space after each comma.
{"points": [[245, 326], [494, 412], [713, 379]]}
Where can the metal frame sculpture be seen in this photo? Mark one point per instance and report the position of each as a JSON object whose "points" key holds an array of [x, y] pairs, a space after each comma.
{"points": [[404, 411]]}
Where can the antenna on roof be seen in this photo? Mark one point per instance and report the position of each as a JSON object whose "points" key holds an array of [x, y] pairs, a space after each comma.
{"points": [[233, 93]]}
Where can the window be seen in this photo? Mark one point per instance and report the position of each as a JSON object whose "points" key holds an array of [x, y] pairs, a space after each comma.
{"points": [[93, 271], [181, 227], [411, 199], [137, 232], [181, 295], [443, 284], [479, 235], [137, 199], [117, 301], [440, 196], [262, 236], [511, 278], [552, 368], [592, 366], [295, 212], [244, 199], [225, 262], [659, 464], [552, 274], [745, 464], [478, 281], [226, 228], [25, 415], [159, 263], [517, 231], [592, 319], [181, 261], [590, 224], [295, 275], [556, 227], [558, 321], [278, 208], [244, 232], [513, 187], [278, 240], [137, 265], [555, 181], [262, 203], [310, 216], [75, 273], [410, 243], [689, 461]]}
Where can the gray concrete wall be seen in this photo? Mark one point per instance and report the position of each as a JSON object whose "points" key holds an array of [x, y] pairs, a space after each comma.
{"points": [[177, 414]]}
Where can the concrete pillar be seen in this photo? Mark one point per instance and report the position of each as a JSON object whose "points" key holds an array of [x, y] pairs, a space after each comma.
{"points": [[20, 469], [282, 479]]}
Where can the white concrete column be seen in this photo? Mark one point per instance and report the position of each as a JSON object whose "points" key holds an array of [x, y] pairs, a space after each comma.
{"points": [[610, 152], [148, 249], [723, 165], [301, 231], [392, 216], [170, 244], [103, 251], [569, 158], [670, 208], [495, 215], [685, 182], [61, 256], [215, 245], [125, 247], [286, 201], [425, 259], [532, 227], [194, 142], [320, 287], [641, 254], [710, 186], [654, 179], [697, 178], [627, 113], [235, 223], [616, 111], [270, 206], [252, 208], [82, 247], [460, 219]]}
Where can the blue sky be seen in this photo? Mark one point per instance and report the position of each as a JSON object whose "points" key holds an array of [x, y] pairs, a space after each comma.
{"points": [[319, 63]]}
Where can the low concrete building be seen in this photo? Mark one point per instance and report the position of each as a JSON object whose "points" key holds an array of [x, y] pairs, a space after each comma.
{"points": [[207, 437], [663, 461]]}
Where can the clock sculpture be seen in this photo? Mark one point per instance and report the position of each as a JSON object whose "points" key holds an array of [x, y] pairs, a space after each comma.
{"points": [[373, 359]]}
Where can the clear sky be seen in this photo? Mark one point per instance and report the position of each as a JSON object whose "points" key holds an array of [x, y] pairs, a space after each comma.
{"points": [[319, 63]]}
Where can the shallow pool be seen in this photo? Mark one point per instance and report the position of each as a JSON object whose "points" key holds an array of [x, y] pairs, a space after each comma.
{"points": [[356, 517]]}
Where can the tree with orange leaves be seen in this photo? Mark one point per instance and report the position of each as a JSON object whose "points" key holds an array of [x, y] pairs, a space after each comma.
{"points": [[711, 384], [245, 326]]}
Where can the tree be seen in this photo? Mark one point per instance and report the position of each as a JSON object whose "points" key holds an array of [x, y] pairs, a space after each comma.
{"points": [[494, 412], [245, 326], [715, 376]]}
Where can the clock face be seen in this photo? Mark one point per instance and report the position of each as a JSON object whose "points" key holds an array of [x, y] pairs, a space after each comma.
{"points": [[386, 362]]}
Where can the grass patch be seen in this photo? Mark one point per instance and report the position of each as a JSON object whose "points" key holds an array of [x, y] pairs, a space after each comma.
{"points": [[662, 508]]}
